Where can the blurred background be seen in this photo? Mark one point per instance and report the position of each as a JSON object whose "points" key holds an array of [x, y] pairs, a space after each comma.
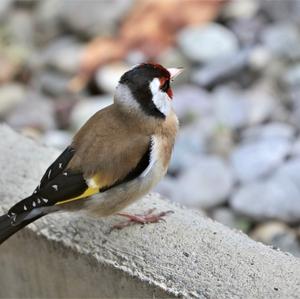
{"points": [[237, 156]]}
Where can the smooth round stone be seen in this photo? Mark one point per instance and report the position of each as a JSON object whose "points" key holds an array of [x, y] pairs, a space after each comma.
{"points": [[191, 143], [190, 102], [291, 170], [20, 28], [93, 18], [278, 235], [86, 108], [108, 76], [5, 7], [207, 43], [282, 39], [188, 146], [221, 70], [36, 112], [229, 218], [64, 55], [294, 115], [276, 198], [296, 148], [53, 83], [221, 141], [166, 187], [135, 56], [292, 76], [47, 20], [281, 10], [206, 184], [11, 95], [259, 58], [254, 160], [225, 216], [271, 130], [172, 57], [230, 67], [260, 103], [240, 9], [230, 107], [57, 138]]}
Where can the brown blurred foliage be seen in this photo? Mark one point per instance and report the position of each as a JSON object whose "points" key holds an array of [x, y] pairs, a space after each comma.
{"points": [[150, 27]]}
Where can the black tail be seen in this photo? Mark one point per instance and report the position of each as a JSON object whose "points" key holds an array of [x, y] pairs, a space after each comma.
{"points": [[7, 229]]}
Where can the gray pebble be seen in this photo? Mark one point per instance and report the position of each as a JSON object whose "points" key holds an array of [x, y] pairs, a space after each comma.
{"points": [[206, 43], [272, 130], [254, 160], [191, 102], [91, 18], [205, 185], [278, 235], [282, 39], [36, 111], [11, 95], [276, 198], [86, 108]]}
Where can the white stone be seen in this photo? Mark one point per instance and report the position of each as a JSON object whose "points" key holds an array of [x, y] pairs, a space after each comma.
{"points": [[254, 160], [87, 108], [204, 185], [206, 43], [108, 76], [276, 198], [10, 96]]}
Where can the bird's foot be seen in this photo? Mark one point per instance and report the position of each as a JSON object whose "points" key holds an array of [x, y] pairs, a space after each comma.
{"points": [[148, 217]]}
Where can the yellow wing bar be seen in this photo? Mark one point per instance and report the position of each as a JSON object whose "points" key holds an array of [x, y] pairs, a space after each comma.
{"points": [[88, 192]]}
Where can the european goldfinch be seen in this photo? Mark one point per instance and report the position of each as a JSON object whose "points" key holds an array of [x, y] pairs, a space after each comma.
{"points": [[115, 158]]}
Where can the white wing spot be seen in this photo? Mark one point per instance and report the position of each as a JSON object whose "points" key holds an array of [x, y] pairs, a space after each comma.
{"points": [[13, 219], [35, 192], [92, 183], [60, 165], [65, 173], [25, 208], [49, 173], [34, 204], [38, 200], [45, 200], [55, 187]]}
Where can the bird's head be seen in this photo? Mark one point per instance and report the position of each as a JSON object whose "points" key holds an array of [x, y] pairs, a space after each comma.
{"points": [[146, 89]]}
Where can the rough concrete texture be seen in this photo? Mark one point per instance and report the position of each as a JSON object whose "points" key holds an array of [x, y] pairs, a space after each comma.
{"points": [[189, 255]]}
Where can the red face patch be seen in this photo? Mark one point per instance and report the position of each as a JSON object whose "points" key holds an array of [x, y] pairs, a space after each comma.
{"points": [[165, 86], [170, 93]]}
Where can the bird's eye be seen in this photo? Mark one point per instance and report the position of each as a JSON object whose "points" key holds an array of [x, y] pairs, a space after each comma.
{"points": [[165, 86]]}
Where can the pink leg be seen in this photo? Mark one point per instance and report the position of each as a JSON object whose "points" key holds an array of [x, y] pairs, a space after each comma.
{"points": [[148, 217]]}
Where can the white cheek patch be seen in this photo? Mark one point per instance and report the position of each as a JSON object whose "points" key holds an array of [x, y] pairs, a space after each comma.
{"points": [[160, 99]]}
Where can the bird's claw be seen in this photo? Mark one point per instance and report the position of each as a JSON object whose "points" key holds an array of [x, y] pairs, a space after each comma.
{"points": [[148, 217]]}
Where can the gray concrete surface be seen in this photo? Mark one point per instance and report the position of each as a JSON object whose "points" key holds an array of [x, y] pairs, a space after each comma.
{"points": [[71, 256]]}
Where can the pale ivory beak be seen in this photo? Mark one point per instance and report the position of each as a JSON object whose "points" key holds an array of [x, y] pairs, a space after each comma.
{"points": [[174, 72]]}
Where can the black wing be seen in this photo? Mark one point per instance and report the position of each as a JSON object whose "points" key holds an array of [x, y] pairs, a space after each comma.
{"points": [[57, 167], [59, 185]]}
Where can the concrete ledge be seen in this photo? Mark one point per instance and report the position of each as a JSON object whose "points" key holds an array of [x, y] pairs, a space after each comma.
{"points": [[67, 256]]}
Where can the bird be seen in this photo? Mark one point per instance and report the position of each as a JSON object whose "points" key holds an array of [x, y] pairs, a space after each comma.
{"points": [[114, 159]]}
